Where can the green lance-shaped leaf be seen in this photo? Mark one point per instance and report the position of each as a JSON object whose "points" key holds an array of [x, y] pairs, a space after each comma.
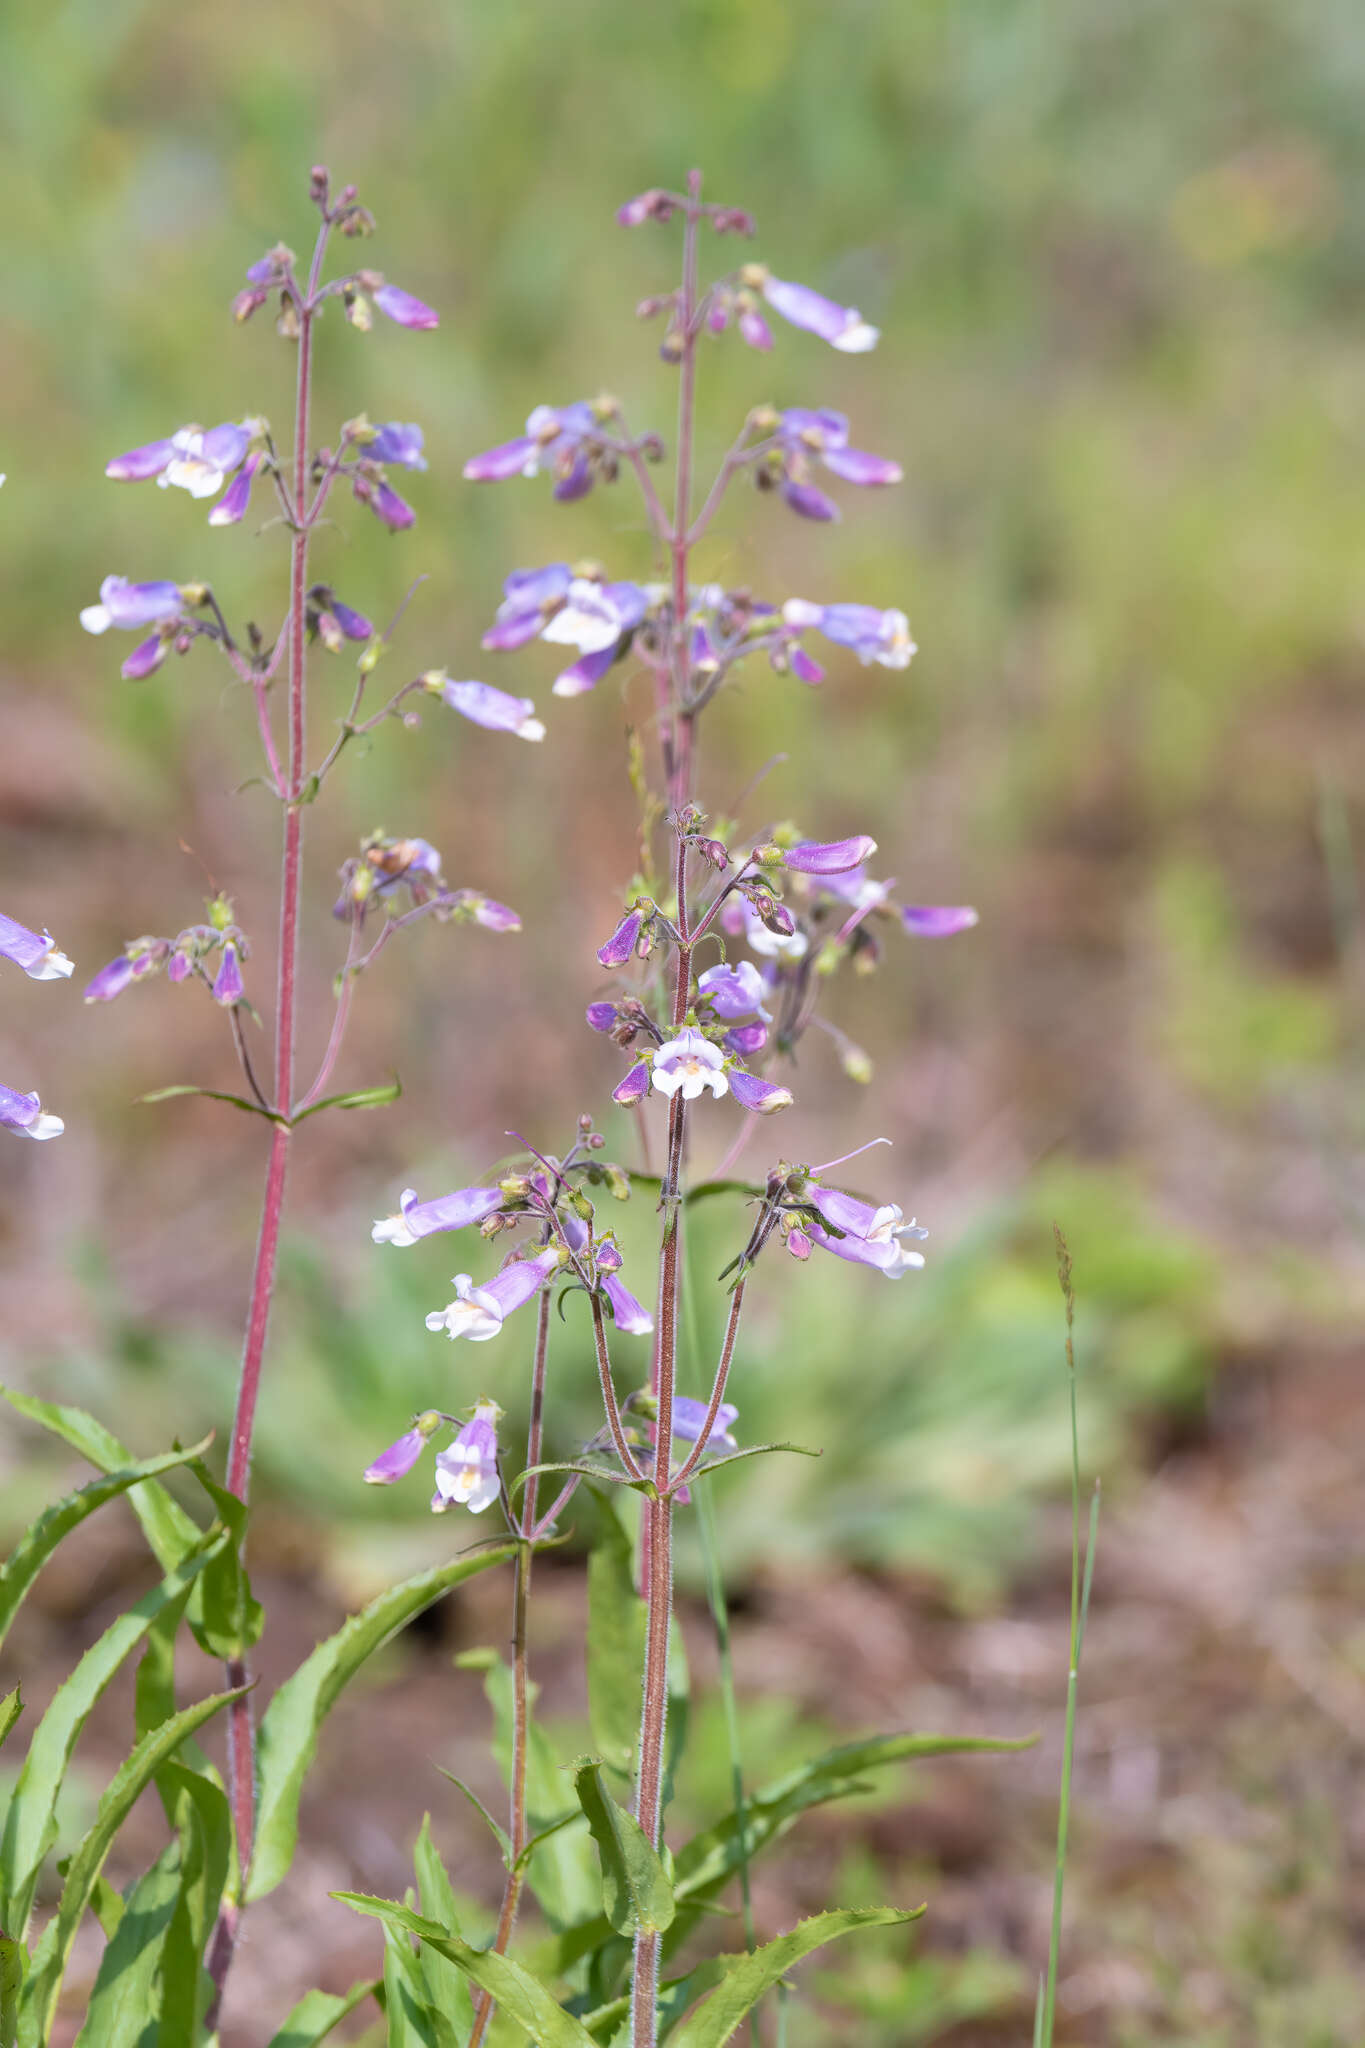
{"points": [[214, 1095], [12, 1964], [563, 1871], [124, 1998], [11, 1707], [229, 1619], [524, 2000], [37, 1544], [745, 1978], [317, 2012], [199, 1812], [38, 2003], [356, 1098], [447, 1987], [615, 1642], [636, 1892], [288, 1738], [413, 2020], [168, 1529], [30, 1824]]}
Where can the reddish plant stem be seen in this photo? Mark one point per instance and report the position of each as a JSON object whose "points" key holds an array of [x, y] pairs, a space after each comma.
{"points": [[241, 1733], [727, 1352]]}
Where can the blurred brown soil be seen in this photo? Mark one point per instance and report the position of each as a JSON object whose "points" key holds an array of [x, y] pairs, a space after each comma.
{"points": [[1220, 1733]]}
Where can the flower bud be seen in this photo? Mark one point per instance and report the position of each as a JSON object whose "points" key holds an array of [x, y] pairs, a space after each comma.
{"points": [[634, 1087], [248, 302], [711, 850]]}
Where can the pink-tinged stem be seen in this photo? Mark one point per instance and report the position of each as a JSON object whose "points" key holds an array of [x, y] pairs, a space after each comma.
{"points": [[727, 1352], [241, 1733]]}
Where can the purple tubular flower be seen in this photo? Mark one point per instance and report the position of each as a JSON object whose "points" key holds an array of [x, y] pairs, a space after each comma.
{"points": [[586, 673], [508, 459], [688, 1063], [754, 329], [634, 1087], [353, 624], [227, 987], [621, 944], [735, 990], [799, 1244], [803, 433], [689, 1419], [139, 464], [495, 917], [746, 1039], [628, 1314], [396, 304], [467, 1470], [887, 1255], [760, 1098], [843, 327], [447, 1212], [385, 503], [529, 597], [37, 955], [479, 1312], [128, 605], [399, 444], [232, 505], [809, 503], [494, 709], [398, 1460], [177, 967], [937, 921], [829, 857], [601, 1016], [595, 615], [874, 636], [803, 667], [112, 980], [25, 1114], [145, 658], [576, 481], [855, 466]]}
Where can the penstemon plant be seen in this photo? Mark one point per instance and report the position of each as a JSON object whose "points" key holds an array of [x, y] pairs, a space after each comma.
{"points": [[709, 982]]}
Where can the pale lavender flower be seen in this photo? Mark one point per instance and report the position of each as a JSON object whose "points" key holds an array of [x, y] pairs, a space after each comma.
{"points": [[400, 306], [635, 1086], [145, 658], [807, 501], [139, 465], [194, 459], [233, 504], [937, 921], [745, 1040], [689, 1419], [886, 1253], [352, 624], [823, 435], [398, 1460], [799, 1244], [595, 615], [621, 944], [447, 1212], [651, 205], [126, 606], [120, 973], [601, 1016], [26, 1115], [554, 440], [494, 917], [492, 708], [479, 1312], [628, 1314], [736, 990], [753, 328], [586, 673], [529, 597], [830, 856], [880, 636], [843, 327], [467, 1470], [689, 1063], [227, 986], [398, 443], [37, 955], [760, 1098]]}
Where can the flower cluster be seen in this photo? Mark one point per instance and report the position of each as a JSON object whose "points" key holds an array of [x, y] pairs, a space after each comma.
{"points": [[211, 953], [39, 957]]}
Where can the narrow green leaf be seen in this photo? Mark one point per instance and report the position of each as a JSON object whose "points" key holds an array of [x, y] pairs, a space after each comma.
{"points": [[11, 1707], [12, 1965], [37, 1544], [413, 2021], [746, 1977], [289, 1727], [30, 1825], [214, 1095], [710, 1465], [168, 1529], [601, 1473], [636, 1893], [317, 2012], [229, 1619], [356, 1098], [199, 1812], [124, 1996], [38, 2004], [447, 1987], [553, 1829], [615, 1642], [522, 1998]]}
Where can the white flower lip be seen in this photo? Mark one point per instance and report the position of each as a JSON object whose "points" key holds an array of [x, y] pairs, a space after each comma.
{"points": [[687, 1064]]}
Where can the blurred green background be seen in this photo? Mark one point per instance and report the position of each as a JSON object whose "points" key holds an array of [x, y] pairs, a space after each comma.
{"points": [[1116, 255]]}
